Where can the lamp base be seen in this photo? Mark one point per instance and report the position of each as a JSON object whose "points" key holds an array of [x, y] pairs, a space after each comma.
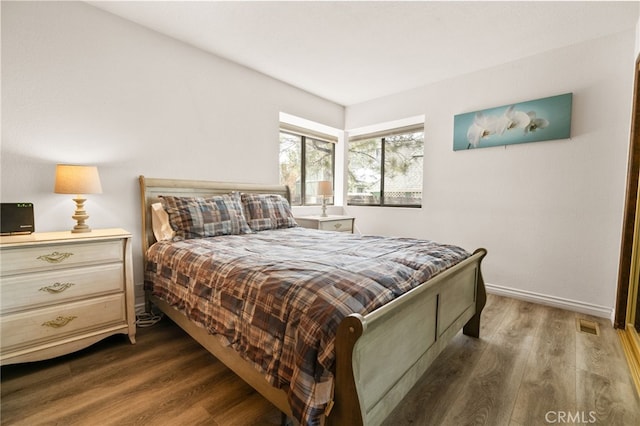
{"points": [[80, 216], [324, 206], [80, 228]]}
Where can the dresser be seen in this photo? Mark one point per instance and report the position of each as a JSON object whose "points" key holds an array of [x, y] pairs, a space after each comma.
{"points": [[328, 223], [61, 292]]}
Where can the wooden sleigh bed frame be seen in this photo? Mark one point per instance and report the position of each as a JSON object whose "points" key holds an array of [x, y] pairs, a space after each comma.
{"points": [[380, 356]]}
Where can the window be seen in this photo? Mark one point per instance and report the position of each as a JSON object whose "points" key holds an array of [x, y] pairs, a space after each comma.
{"points": [[385, 168], [306, 157]]}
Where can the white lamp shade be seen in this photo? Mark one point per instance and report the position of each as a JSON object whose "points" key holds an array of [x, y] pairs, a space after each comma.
{"points": [[71, 179], [325, 188]]}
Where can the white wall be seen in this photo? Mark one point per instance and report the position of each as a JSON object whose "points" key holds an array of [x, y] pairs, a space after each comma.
{"points": [[80, 85], [638, 38], [549, 213]]}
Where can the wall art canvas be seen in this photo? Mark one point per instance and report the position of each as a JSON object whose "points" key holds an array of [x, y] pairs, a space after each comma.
{"points": [[532, 121]]}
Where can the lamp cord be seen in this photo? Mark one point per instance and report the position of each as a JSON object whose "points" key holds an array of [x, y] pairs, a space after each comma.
{"points": [[147, 319]]}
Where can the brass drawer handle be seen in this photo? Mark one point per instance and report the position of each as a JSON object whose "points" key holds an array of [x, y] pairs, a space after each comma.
{"points": [[59, 322], [57, 287], [55, 257], [338, 225]]}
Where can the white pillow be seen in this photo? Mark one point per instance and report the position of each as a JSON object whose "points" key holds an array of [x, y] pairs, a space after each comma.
{"points": [[160, 223]]}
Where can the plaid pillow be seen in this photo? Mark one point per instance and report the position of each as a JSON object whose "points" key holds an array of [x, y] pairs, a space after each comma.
{"points": [[196, 217], [267, 211]]}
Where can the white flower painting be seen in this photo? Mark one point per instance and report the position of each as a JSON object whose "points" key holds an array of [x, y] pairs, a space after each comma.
{"points": [[541, 119]]}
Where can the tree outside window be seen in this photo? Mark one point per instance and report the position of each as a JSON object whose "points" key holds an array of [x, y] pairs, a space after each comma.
{"points": [[386, 170], [305, 159]]}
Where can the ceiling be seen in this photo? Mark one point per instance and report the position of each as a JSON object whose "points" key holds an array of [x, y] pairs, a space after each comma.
{"points": [[353, 51]]}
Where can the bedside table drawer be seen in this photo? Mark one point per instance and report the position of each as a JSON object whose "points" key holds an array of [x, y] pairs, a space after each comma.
{"points": [[49, 324], [343, 225], [47, 288], [47, 257]]}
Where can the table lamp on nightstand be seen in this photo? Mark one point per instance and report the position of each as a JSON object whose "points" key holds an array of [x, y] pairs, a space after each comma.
{"points": [[325, 190], [71, 179]]}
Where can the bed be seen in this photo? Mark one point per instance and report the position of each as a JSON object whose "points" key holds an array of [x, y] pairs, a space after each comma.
{"points": [[374, 357]]}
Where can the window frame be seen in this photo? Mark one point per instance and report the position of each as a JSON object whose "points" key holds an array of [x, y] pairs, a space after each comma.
{"points": [[382, 135], [304, 135]]}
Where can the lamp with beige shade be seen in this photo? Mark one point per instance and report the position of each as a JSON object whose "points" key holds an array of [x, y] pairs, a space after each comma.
{"points": [[325, 189], [79, 180]]}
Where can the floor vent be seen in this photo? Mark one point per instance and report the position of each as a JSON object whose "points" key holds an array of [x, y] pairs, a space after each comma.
{"points": [[589, 327]]}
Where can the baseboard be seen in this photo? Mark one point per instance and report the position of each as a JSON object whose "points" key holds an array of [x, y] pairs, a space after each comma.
{"points": [[558, 302]]}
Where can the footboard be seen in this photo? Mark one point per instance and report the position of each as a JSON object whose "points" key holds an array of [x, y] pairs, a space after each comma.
{"points": [[382, 355]]}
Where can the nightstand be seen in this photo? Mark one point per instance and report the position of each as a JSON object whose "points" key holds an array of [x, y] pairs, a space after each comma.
{"points": [[62, 292], [329, 223]]}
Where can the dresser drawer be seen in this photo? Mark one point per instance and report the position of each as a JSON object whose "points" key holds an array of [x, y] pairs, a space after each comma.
{"points": [[47, 257], [47, 288], [342, 225], [38, 326]]}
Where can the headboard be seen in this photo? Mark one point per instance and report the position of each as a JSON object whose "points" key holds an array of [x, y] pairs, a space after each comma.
{"points": [[151, 189]]}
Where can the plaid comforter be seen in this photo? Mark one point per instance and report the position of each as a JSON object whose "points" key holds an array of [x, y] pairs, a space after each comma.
{"points": [[278, 296]]}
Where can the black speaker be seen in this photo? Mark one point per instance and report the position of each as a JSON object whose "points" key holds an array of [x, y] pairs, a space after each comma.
{"points": [[16, 218]]}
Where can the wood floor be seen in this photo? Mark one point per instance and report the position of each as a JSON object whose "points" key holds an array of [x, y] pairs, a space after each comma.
{"points": [[531, 366]]}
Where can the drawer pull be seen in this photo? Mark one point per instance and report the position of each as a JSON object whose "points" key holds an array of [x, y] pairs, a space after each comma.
{"points": [[59, 322], [337, 225], [57, 288], [55, 257]]}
